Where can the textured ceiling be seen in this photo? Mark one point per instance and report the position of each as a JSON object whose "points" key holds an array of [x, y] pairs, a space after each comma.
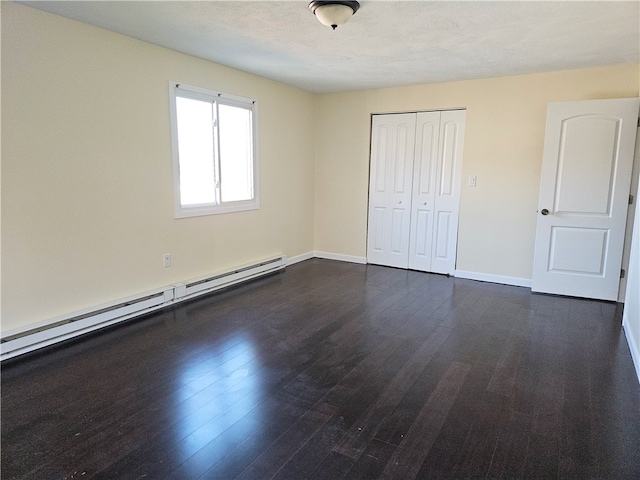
{"points": [[387, 43]]}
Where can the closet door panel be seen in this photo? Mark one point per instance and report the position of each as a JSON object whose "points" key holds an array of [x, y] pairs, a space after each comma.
{"points": [[447, 161], [442, 241], [447, 198], [424, 189], [392, 151]]}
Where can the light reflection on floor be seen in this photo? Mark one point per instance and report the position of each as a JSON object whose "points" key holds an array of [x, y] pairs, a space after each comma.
{"points": [[218, 387]]}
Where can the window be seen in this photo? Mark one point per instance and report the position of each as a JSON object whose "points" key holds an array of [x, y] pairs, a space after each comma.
{"points": [[214, 151]]}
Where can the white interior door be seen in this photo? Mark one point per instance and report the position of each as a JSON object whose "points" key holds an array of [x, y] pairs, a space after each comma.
{"points": [[584, 191], [424, 190], [437, 171], [447, 192], [390, 178]]}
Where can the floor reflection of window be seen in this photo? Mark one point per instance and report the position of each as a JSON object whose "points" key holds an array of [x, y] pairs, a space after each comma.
{"points": [[220, 392]]}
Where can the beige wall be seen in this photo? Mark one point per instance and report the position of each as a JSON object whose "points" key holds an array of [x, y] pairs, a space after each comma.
{"points": [[87, 177], [87, 188], [503, 148]]}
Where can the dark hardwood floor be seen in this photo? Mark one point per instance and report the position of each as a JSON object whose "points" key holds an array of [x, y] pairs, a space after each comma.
{"points": [[334, 370]]}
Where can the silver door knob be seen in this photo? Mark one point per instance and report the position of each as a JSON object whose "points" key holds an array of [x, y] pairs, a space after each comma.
{"points": [[544, 211]]}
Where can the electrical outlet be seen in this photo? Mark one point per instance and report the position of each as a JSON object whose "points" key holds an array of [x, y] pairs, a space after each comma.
{"points": [[166, 260]]}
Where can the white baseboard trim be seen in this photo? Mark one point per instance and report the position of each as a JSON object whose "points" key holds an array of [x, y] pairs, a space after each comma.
{"points": [[483, 277], [300, 258], [340, 257], [487, 277], [633, 348]]}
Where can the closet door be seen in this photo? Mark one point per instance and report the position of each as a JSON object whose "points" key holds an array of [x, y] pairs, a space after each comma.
{"points": [[392, 153], [414, 190], [447, 191], [424, 190]]}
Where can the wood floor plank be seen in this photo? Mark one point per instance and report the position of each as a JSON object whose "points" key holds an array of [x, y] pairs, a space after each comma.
{"points": [[504, 377], [372, 462], [478, 449], [354, 442], [510, 452], [279, 453], [304, 463], [335, 466], [575, 445], [447, 454], [408, 458]]}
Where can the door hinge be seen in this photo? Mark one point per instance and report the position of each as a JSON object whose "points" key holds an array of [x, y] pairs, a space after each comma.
{"points": [[622, 273], [630, 199], [638, 121]]}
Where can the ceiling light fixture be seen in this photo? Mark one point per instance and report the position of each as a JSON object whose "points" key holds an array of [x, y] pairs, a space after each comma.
{"points": [[333, 12]]}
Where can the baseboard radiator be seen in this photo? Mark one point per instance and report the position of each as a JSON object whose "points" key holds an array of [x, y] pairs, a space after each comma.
{"points": [[58, 329]]}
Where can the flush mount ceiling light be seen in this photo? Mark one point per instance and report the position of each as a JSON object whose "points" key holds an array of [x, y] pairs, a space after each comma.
{"points": [[333, 13]]}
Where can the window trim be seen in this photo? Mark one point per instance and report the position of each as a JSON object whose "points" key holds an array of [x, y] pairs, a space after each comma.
{"points": [[199, 93]]}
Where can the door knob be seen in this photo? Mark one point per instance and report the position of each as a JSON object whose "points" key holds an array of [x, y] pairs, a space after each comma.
{"points": [[544, 211]]}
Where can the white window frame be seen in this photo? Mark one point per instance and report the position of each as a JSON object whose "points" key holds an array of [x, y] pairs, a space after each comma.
{"points": [[183, 211]]}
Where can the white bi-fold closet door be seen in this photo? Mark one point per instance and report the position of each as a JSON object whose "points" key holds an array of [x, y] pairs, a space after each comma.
{"points": [[414, 190]]}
